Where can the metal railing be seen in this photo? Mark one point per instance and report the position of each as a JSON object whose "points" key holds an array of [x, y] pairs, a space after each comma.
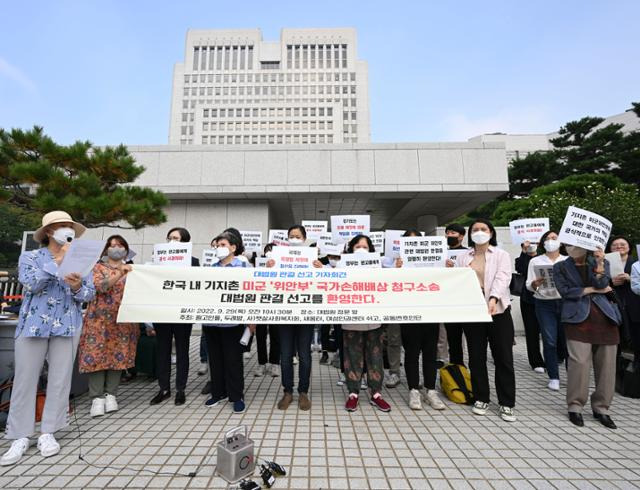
{"points": [[10, 289]]}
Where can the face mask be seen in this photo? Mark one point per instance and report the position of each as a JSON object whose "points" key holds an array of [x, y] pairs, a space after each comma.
{"points": [[295, 242], [361, 250], [552, 245], [480, 237], [116, 253], [452, 241], [222, 252], [64, 235], [333, 262], [268, 255], [531, 248], [576, 252]]}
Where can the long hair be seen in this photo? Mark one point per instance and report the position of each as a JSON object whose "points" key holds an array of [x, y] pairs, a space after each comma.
{"points": [[120, 239], [356, 239], [492, 241]]}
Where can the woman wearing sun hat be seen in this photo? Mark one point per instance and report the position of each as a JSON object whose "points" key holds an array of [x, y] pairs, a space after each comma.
{"points": [[48, 327]]}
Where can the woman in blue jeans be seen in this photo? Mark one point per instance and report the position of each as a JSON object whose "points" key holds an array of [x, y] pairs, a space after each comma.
{"points": [[548, 304]]}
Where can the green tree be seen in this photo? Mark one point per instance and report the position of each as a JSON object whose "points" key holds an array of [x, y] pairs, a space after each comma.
{"points": [[604, 194], [14, 222], [92, 184]]}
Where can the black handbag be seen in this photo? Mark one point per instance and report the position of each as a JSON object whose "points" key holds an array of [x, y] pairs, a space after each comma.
{"points": [[517, 284]]}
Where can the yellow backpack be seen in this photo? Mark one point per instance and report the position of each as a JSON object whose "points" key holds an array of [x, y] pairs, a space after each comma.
{"points": [[455, 382]]}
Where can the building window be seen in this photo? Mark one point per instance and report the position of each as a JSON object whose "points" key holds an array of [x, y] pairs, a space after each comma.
{"points": [[270, 65]]}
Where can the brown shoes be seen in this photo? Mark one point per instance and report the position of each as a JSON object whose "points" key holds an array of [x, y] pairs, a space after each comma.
{"points": [[286, 400], [303, 402]]}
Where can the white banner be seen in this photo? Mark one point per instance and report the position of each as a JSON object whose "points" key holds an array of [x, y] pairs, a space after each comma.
{"points": [[252, 241], [362, 260], [423, 251], [315, 228], [530, 229], [343, 228], [392, 243], [243, 295], [585, 229], [294, 257], [279, 238], [172, 254], [377, 238]]}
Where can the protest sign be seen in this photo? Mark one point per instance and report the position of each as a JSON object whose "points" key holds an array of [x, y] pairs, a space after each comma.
{"points": [[261, 261], [327, 246], [452, 254], [377, 238], [362, 260], [545, 272], [174, 254], [530, 229], [315, 228], [585, 229], [423, 251], [279, 238], [252, 241], [343, 228], [313, 296], [209, 257], [294, 257], [616, 266], [392, 243]]}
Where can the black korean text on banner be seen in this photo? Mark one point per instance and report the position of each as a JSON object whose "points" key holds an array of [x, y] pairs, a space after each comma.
{"points": [[252, 241], [172, 254], [377, 239], [343, 228], [294, 257], [315, 228], [585, 229], [363, 260], [530, 229], [423, 251], [279, 238], [308, 296]]}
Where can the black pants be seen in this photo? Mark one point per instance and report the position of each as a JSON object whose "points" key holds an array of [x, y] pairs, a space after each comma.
{"points": [[416, 338], [165, 332], [325, 338], [225, 361], [274, 344], [532, 334], [634, 332], [454, 339], [499, 336], [337, 332]]}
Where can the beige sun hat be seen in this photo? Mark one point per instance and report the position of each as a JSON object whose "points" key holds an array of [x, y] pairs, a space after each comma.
{"points": [[57, 217]]}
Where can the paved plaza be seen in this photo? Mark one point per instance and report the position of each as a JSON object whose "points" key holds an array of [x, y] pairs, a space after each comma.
{"points": [[330, 448]]}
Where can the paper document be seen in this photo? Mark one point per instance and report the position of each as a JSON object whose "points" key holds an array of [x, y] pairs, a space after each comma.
{"points": [[545, 272], [615, 263], [81, 257]]}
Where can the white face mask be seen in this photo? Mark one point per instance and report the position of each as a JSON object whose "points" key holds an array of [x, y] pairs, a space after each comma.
{"points": [[480, 237], [552, 245], [295, 242], [361, 250], [334, 263], [576, 252], [222, 252], [64, 235]]}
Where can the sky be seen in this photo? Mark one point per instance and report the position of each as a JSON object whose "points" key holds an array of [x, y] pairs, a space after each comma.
{"points": [[101, 70]]}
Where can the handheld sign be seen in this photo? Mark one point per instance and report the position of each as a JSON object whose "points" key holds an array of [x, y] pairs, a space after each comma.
{"points": [[327, 246], [252, 241], [452, 255], [585, 229], [294, 257], [343, 228], [545, 272], [369, 260], [261, 261], [530, 229], [81, 257], [392, 243], [279, 238], [209, 257], [315, 228], [615, 263], [174, 254], [423, 251], [377, 238]]}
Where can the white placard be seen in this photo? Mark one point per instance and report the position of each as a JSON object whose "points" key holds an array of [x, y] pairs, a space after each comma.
{"points": [[294, 257], [584, 229], [529, 229], [315, 228], [615, 263], [209, 257], [80, 258], [252, 241], [545, 272], [174, 254], [452, 254], [279, 238], [326, 245], [377, 238], [392, 243], [343, 228], [261, 261], [362, 260], [423, 251], [331, 248]]}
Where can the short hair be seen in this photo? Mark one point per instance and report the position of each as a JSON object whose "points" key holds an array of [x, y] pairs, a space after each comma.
{"points": [[298, 227], [356, 239], [618, 237], [240, 249], [268, 247], [122, 241], [232, 238], [412, 232], [492, 241], [455, 227], [185, 236]]}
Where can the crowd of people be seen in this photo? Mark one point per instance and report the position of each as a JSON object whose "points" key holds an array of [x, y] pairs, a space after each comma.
{"points": [[580, 319]]}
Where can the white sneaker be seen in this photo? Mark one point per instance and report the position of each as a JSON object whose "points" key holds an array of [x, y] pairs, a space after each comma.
{"points": [[97, 407], [110, 403], [393, 380], [246, 356], [539, 370], [203, 369], [507, 414], [48, 445], [275, 370], [363, 382], [174, 359], [295, 360], [15, 452], [341, 379], [554, 384], [415, 400], [260, 370], [480, 408], [434, 400]]}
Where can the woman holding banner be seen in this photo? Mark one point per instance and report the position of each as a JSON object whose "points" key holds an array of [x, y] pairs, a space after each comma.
{"points": [[548, 304], [492, 266], [590, 319]]}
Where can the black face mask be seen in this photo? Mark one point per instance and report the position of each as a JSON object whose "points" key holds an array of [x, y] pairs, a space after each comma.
{"points": [[452, 241]]}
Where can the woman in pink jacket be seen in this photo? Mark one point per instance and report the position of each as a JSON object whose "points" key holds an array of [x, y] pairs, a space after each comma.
{"points": [[493, 269]]}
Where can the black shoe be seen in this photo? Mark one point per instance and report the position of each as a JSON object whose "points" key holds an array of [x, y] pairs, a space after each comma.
{"points": [[207, 389], [180, 398], [160, 397], [576, 419], [605, 420], [325, 357]]}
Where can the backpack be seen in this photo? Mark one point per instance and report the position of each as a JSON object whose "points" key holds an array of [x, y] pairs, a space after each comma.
{"points": [[455, 382]]}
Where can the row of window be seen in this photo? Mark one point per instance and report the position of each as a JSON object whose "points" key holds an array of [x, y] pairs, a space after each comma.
{"points": [[270, 125], [186, 104], [222, 58], [269, 77], [305, 56], [268, 112], [271, 139], [271, 90]]}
